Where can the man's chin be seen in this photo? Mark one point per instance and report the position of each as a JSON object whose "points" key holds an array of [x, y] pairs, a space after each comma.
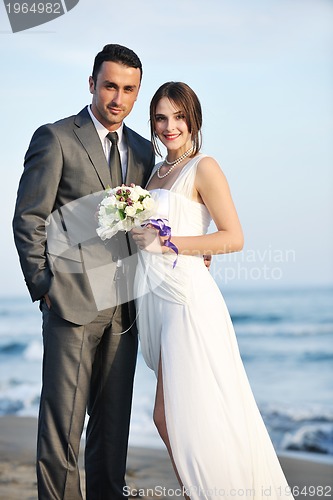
{"points": [[115, 119]]}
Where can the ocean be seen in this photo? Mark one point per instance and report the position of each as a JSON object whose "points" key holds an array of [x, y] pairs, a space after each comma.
{"points": [[286, 343]]}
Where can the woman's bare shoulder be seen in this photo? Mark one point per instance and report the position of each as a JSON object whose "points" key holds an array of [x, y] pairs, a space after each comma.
{"points": [[208, 167]]}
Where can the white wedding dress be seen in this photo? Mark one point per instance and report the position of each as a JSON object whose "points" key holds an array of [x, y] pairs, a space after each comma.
{"points": [[219, 442]]}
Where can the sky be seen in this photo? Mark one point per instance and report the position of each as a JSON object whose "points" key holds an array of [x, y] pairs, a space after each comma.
{"points": [[263, 73]]}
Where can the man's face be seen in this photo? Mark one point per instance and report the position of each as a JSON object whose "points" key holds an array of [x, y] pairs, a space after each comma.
{"points": [[114, 94]]}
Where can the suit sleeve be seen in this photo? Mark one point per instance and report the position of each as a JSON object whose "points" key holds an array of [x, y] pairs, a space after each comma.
{"points": [[36, 199]]}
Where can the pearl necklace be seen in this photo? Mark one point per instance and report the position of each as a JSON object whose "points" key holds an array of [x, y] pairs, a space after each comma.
{"points": [[172, 164]]}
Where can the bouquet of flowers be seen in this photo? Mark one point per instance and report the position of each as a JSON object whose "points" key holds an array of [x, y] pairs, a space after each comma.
{"points": [[123, 208]]}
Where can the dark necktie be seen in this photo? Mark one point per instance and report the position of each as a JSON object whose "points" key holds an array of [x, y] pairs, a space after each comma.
{"points": [[114, 161]]}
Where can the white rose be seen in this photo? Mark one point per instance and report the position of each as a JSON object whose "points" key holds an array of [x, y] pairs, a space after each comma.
{"points": [[148, 203], [121, 205], [109, 201], [135, 195], [130, 211], [140, 191], [138, 205]]}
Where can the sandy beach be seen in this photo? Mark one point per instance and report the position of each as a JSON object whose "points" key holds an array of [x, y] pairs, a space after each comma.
{"points": [[149, 473]]}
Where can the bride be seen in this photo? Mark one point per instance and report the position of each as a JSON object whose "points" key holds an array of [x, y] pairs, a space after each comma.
{"points": [[204, 410]]}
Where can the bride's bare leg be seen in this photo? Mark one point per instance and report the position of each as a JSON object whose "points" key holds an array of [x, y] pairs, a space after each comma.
{"points": [[159, 419]]}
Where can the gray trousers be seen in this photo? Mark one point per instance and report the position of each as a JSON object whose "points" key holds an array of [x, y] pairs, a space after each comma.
{"points": [[84, 367]]}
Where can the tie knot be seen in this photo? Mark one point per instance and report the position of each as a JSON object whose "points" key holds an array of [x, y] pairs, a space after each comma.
{"points": [[113, 137]]}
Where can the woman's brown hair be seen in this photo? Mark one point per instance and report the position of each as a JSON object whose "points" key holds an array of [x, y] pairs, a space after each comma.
{"points": [[184, 98]]}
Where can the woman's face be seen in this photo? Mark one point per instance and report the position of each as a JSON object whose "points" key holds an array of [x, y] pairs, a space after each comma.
{"points": [[171, 127]]}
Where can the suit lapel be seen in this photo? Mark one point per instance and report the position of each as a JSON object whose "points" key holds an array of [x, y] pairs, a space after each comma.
{"points": [[135, 169], [87, 135]]}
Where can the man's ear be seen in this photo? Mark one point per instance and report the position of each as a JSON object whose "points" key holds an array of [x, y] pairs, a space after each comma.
{"points": [[91, 85]]}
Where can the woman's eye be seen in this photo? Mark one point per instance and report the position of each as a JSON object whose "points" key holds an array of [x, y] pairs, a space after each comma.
{"points": [[181, 117]]}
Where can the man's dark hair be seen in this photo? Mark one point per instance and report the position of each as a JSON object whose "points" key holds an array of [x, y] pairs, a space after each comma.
{"points": [[116, 53]]}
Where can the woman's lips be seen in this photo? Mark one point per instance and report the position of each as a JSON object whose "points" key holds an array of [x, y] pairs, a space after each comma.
{"points": [[171, 137]]}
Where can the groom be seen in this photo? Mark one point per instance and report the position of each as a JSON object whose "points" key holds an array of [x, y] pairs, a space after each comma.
{"points": [[86, 365]]}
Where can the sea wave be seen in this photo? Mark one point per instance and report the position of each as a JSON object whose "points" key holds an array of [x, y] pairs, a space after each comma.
{"points": [[310, 413], [283, 329], [13, 348], [30, 350], [310, 438], [300, 429], [17, 398], [257, 318]]}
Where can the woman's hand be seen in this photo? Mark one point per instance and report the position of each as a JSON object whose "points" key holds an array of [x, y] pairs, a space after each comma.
{"points": [[148, 238]]}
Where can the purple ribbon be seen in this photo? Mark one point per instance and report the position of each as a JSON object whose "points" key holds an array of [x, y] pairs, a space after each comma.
{"points": [[165, 230]]}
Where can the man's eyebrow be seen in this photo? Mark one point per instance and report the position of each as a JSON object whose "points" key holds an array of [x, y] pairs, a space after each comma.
{"points": [[109, 82]]}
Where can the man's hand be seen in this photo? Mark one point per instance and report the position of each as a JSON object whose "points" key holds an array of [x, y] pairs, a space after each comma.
{"points": [[207, 260]]}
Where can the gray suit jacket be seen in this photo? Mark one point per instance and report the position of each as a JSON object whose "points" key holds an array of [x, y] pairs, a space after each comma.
{"points": [[62, 255]]}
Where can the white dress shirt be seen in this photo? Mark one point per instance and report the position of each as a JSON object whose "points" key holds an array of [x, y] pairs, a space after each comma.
{"points": [[106, 144]]}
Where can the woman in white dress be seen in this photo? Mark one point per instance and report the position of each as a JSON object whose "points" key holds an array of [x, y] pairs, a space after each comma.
{"points": [[204, 410]]}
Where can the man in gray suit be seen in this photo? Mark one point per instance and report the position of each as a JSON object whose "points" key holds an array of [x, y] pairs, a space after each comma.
{"points": [[81, 282]]}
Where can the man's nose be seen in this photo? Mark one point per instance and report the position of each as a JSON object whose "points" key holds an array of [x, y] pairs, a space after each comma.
{"points": [[117, 98]]}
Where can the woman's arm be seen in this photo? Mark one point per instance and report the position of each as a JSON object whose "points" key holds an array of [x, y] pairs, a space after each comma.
{"points": [[212, 189]]}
